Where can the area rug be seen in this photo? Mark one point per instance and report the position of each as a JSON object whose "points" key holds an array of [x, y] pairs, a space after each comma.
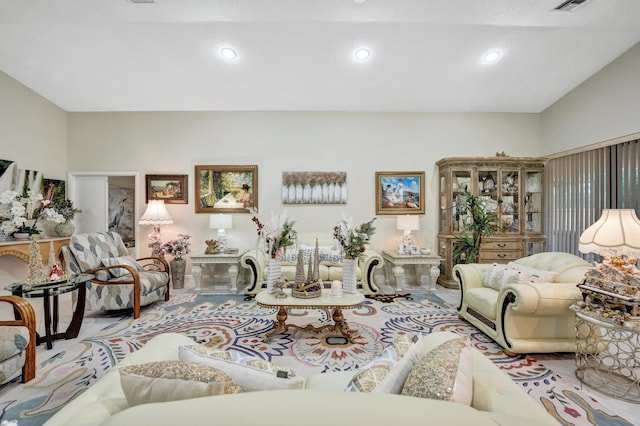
{"points": [[237, 323]]}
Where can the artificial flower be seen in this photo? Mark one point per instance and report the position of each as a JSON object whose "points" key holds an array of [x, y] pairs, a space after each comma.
{"points": [[353, 239]]}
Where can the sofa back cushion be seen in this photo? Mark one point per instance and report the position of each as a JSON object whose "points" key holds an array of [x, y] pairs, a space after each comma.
{"points": [[568, 267], [89, 249]]}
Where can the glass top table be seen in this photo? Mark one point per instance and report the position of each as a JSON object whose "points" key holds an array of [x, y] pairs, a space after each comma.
{"points": [[51, 290]]}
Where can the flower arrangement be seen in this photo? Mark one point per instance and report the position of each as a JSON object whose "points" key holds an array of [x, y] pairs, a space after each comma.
{"points": [[66, 209], [21, 213], [278, 235], [178, 247], [353, 239]]}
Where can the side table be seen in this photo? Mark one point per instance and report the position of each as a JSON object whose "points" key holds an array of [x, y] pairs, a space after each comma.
{"points": [[232, 260], [394, 267], [607, 357], [54, 289]]}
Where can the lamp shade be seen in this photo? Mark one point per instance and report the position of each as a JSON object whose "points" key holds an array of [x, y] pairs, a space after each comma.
{"points": [[616, 233], [220, 221], [156, 214], [407, 222]]}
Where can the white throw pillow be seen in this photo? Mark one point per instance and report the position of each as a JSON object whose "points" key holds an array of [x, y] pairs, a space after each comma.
{"points": [[122, 260], [444, 373], [532, 275], [250, 372], [163, 381], [500, 275], [387, 373]]}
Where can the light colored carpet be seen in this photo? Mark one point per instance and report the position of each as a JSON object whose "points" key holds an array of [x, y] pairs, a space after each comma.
{"points": [[237, 323]]}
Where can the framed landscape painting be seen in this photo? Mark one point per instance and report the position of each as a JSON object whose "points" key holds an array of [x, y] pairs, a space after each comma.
{"points": [[170, 188], [399, 193], [226, 189]]}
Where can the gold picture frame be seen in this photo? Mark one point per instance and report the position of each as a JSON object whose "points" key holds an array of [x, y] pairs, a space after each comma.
{"points": [[226, 189], [400, 193], [172, 189]]}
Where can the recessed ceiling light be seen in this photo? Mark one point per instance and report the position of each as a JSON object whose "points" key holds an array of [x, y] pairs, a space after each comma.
{"points": [[491, 57], [228, 53], [359, 1], [362, 54]]}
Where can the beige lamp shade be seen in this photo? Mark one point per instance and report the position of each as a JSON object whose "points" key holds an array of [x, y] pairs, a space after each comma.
{"points": [[616, 233], [156, 214], [220, 221], [407, 222]]}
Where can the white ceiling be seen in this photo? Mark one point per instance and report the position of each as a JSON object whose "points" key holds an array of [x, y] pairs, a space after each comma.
{"points": [[297, 55]]}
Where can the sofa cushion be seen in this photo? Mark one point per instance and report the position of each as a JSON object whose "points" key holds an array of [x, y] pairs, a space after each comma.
{"points": [[445, 373], [499, 275], [532, 275], [121, 260], [163, 381], [250, 372], [387, 373]]}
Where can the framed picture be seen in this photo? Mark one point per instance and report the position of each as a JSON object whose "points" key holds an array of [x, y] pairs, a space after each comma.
{"points": [[400, 193], [226, 189], [121, 218], [170, 188], [314, 187]]}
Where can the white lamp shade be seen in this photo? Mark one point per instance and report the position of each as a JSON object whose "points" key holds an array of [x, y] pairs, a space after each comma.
{"points": [[156, 214], [407, 223], [220, 221], [616, 233]]}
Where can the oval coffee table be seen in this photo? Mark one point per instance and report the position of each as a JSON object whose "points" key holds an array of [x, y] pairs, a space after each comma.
{"points": [[325, 301]]}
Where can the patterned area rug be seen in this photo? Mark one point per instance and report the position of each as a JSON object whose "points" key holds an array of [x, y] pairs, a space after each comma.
{"points": [[236, 322]]}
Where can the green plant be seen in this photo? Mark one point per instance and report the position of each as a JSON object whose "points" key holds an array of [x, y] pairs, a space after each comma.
{"points": [[466, 246]]}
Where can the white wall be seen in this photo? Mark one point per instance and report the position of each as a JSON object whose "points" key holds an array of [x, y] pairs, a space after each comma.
{"points": [[33, 133], [604, 107], [358, 143]]}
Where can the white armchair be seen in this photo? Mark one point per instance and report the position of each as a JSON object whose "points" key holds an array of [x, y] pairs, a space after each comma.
{"points": [[525, 317]]}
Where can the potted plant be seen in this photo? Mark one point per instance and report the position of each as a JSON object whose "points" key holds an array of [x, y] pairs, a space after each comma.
{"points": [[481, 224]]}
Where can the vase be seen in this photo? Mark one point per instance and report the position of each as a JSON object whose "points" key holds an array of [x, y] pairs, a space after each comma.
{"points": [[21, 235], [274, 271], [178, 267], [349, 275], [64, 229]]}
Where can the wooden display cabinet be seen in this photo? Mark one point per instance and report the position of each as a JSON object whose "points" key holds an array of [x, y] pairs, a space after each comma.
{"points": [[510, 186]]}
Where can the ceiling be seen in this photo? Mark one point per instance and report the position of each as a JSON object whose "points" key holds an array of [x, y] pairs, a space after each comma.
{"points": [[297, 55]]}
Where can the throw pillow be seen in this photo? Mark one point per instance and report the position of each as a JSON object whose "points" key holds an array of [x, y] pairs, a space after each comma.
{"points": [[532, 275], [250, 372], [122, 260], [163, 381], [387, 373], [500, 275], [444, 373]]}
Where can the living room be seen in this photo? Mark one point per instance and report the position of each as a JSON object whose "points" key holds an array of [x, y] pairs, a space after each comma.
{"points": [[38, 134]]}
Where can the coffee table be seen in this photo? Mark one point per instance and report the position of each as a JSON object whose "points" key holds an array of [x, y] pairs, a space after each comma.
{"points": [[325, 301]]}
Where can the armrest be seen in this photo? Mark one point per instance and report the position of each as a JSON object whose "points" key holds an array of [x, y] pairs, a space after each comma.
{"points": [[256, 262], [368, 263], [469, 275], [154, 264], [27, 315], [542, 298]]}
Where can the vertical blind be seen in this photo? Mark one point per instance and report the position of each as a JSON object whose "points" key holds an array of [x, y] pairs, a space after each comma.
{"points": [[579, 185]]}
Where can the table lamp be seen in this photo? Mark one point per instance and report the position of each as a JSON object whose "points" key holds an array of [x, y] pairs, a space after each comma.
{"points": [[221, 222], [407, 223], [615, 234], [156, 215]]}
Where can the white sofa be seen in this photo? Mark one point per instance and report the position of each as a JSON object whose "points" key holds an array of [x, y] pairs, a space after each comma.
{"points": [[330, 269], [497, 400], [525, 317]]}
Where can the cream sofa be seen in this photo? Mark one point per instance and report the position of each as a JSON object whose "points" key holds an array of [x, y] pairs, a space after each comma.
{"points": [[525, 317], [330, 266], [497, 400]]}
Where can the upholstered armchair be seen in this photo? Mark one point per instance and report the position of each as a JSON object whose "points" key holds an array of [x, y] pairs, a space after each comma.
{"points": [[120, 281], [524, 306], [18, 342]]}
